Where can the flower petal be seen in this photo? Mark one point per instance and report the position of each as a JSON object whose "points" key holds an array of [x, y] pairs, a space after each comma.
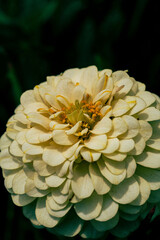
{"points": [[21, 200], [37, 135], [147, 97], [27, 98], [89, 208], [101, 185], [15, 149], [149, 114], [103, 126], [114, 166], [132, 127], [149, 158], [60, 137], [119, 107], [39, 119], [19, 182], [130, 166], [119, 127], [109, 209], [89, 78], [82, 184], [107, 225], [90, 155], [126, 191], [145, 129], [96, 142], [139, 145], [140, 105], [112, 146], [127, 83], [112, 178], [52, 156], [152, 176], [43, 217], [126, 145], [54, 180], [144, 191], [32, 149]]}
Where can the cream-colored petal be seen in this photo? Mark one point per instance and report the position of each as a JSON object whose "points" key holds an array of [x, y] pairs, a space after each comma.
{"points": [[154, 143], [74, 74], [149, 114], [130, 166], [60, 137], [89, 78], [102, 96], [96, 142], [89, 208], [42, 168], [119, 127], [78, 93], [52, 156], [82, 185], [90, 155], [119, 107], [101, 83], [52, 100], [15, 149], [75, 128], [60, 213], [132, 127], [37, 135], [21, 117], [69, 151], [112, 146], [103, 126], [58, 196], [53, 204], [33, 191], [21, 137], [54, 180], [126, 191], [152, 176], [149, 158], [19, 182], [139, 106], [21, 200], [36, 107], [39, 119], [141, 86], [147, 97], [54, 125], [109, 209], [144, 191], [118, 75], [62, 169], [127, 83], [139, 145], [27, 98], [106, 111], [4, 141], [114, 166], [43, 217], [10, 163], [39, 182], [116, 156], [101, 184], [130, 100], [89, 232], [32, 149], [126, 145], [112, 178]]}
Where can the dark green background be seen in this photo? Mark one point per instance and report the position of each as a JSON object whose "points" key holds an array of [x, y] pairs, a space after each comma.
{"points": [[42, 37]]}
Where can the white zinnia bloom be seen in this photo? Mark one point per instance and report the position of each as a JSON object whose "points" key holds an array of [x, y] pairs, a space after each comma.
{"points": [[81, 154]]}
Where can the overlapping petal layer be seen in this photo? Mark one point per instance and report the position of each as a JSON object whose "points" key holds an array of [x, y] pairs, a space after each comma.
{"points": [[81, 154]]}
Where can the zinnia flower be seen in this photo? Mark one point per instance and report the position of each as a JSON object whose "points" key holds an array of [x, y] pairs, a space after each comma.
{"points": [[81, 154]]}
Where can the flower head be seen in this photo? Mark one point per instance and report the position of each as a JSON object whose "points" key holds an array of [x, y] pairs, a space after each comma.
{"points": [[81, 154]]}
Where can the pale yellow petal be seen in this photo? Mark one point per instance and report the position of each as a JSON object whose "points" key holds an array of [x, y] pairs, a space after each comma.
{"points": [[90, 155], [149, 158], [54, 180], [19, 182], [37, 135], [101, 184], [126, 191], [52, 156], [39, 119], [27, 98], [114, 166], [126, 145], [21, 200], [144, 191], [89, 208], [112, 146], [15, 149], [43, 217], [130, 166], [82, 184], [89, 78], [60, 137], [147, 97], [109, 209], [149, 114], [32, 149], [127, 83], [96, 142], [132, 127], [139, 145], [119, 127], [119, 107], [103, 126], [139, 106]]}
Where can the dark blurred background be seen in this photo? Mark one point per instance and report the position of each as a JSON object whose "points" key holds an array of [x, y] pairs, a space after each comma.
{"points": [[41, 37]]}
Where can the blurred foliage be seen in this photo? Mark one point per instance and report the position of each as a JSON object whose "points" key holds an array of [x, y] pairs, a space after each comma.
{"points": [[42, 37]]}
